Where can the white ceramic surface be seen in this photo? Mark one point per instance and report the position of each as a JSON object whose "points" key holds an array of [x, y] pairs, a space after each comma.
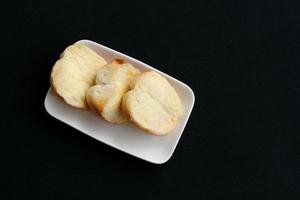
{"points": [[125, 137]]}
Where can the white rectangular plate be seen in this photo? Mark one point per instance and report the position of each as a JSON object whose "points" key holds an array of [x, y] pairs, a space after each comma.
{"points": [[125, 137]]}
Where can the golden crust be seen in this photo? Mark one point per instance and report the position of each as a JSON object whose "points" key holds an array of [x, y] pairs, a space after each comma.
{"points": [[98, 108], [94, 107]]}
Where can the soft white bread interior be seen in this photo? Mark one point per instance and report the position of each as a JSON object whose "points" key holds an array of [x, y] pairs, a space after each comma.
{"points": [[152, 104], [112, 81], [74, 73]]}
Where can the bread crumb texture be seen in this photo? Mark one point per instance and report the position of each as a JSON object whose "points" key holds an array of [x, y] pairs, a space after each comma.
{"points": [[153, 103], [112, 82], [74, 73]]}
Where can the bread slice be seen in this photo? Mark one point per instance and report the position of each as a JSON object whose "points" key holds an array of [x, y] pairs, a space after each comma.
{"points": [[112, 81], [152, 104], [74, 73]]}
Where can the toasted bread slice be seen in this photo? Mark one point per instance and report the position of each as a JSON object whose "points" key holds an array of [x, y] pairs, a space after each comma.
{"points": [[74, 73], [152, 104], [112, 81]]}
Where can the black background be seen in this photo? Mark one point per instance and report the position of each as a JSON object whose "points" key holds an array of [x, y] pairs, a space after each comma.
{"points": [[241, 58]]}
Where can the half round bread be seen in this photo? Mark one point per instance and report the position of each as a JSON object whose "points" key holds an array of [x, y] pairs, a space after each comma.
{"points": [[112, 81], [74, 73], [152, 104]]}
